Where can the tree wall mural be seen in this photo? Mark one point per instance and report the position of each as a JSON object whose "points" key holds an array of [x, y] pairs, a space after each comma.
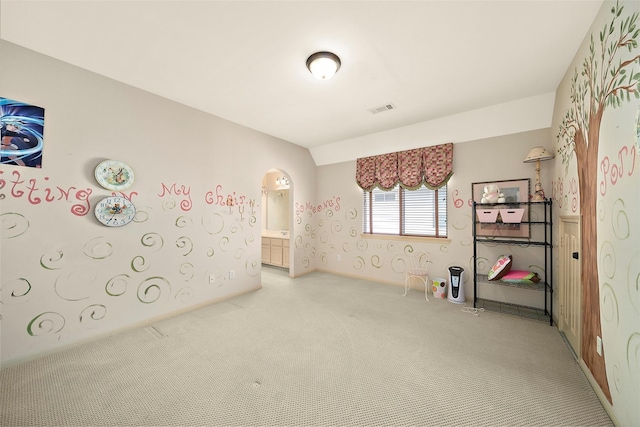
{"points": [[608, 78]]}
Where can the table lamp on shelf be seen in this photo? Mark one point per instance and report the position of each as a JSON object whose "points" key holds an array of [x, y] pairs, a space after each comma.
{"points": [[538, 154]]}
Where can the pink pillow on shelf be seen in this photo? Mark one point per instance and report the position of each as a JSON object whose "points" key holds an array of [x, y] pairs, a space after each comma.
{"points": [[521, 276], [500, 268]]}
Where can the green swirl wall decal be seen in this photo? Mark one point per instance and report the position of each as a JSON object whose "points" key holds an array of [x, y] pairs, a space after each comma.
{"points": [[324, 236], [168, 204], [399, 264], [362, 245], [186, 270], [298, 241], [93, 312], [408, 250], [309, 231], [48, 322], [153, 241], [248, 239], [48, 261], [298, 220], [323, 258], [252, 220], [210, 252], [151, 289], [117, 285], [98, 248], [329, 213], [138, 264], [74, 284], [183, 242], [359, 263], [483, 264], [617, 380], [17, 288], [620, 220], [240, 253], [222, 244], [351, 213], [633, 354], [253, 265], [609, 304], [607, 259], [13, 225], [391, 247], [444, 249], [345, 247], [375, 261], [461, 223], [183, 221], [602, 209], [336, 227], [185, 295], [305, 262], [320, 222], [633, 281], [142, 214], [213, 223], [353, 232]]}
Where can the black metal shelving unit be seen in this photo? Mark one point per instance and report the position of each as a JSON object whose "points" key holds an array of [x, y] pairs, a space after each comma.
{"points": [[546, 243]]}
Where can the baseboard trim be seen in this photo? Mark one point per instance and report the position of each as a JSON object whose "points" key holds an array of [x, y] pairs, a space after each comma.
{"points": [[136, 325], [596, 387]]}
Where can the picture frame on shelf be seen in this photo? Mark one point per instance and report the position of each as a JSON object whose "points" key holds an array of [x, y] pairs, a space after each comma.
{"points": [[514, 192]]}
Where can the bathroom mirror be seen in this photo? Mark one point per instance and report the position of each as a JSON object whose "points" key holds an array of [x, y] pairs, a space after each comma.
{"points": [[278, 209]]}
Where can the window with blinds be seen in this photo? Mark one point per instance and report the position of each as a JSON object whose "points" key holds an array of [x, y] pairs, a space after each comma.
{"points": [[421, 212]]}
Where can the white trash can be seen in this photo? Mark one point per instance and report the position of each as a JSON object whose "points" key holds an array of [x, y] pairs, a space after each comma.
{"points": [[456, 290], [439, 287]]}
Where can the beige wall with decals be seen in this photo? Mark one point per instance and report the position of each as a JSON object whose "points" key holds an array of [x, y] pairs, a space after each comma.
{"points": [[65, 277], [611, 305], [338, 232]]}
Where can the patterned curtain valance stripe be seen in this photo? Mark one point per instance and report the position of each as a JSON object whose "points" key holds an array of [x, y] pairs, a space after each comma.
{"points": [[387, 171], [431, 166], [438, 165]]}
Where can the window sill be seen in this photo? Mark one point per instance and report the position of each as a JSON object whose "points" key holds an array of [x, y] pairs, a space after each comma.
{"points": [[439, 240]]}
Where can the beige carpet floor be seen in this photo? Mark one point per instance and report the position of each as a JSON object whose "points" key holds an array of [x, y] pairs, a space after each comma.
{"points": [[316, 350]]}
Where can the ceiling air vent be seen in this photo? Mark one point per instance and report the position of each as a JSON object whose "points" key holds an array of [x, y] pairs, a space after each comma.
{"points": [[382, 108]]}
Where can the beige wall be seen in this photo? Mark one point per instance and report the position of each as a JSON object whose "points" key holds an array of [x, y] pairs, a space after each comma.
{"points": [[67, 278], [338, 230], [618, 225]]}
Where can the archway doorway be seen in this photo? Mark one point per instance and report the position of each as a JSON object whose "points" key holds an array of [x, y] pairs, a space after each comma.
{"points": [[276, 219]]}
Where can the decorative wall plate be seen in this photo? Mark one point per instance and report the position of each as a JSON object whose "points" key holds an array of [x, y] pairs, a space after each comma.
{"points": [[115, 211], [114, 175]]}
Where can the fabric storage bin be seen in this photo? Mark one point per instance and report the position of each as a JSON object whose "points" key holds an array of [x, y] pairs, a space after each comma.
{"points": [[511, 215], [487, 215]]}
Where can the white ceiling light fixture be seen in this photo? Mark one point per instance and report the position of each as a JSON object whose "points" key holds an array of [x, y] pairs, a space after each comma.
{"points": [[323, 65]]}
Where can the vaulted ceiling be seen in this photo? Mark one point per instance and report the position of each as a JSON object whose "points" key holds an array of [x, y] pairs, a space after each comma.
{"points": [[245, 60]]}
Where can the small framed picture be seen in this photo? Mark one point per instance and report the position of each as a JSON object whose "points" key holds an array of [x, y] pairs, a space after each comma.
{"points": [[505, 197]]}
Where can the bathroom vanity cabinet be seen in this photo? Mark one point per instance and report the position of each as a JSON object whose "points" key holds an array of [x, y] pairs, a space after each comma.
{"points": [[275, 251]]}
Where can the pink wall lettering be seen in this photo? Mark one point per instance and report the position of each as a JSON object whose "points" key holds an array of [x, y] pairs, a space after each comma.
{"points": [[614, 170], [181, 190], [332, 203], [219, 198], [458, 202], [562, 199], [34, 194]]}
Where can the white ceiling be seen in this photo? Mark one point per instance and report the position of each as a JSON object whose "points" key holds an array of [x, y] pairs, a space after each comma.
{"points": [[245, 60]]}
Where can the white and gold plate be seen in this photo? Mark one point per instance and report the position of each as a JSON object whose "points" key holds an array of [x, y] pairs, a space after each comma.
{"points": [[114, 175]]}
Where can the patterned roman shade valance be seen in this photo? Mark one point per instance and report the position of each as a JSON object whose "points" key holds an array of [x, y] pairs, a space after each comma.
{"points": [[431, 166]]}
